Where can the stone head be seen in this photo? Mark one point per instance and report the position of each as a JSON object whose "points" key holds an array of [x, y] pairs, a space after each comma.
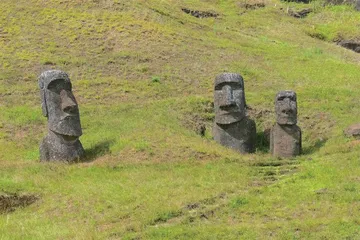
{"points": [[286, 108], [229, 98], [59, 104]]}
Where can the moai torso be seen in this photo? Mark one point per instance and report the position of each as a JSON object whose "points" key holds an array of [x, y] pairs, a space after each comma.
{"points": [[54, 148], [61, 109], [285, 135], [231, 127], [285, 141], [240, 136]]}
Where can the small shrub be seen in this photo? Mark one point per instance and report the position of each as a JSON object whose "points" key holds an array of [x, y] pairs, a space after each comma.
{"points": [[238, 202], [155, 79]]}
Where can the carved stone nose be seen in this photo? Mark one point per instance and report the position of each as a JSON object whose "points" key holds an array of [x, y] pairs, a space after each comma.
{"points": [[68, 104], [228, 98]]}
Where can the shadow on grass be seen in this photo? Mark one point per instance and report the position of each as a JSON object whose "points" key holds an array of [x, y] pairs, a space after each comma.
{"points": [[263, 141], [97, 150], [315, 147]]}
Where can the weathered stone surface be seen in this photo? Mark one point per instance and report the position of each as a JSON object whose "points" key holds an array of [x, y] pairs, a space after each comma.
{"points": [[285, 135], [353, 131], [57, 147], [350, 44], [232, 128], [285, 141], [60, 107], [357, 6], [240, 136]]}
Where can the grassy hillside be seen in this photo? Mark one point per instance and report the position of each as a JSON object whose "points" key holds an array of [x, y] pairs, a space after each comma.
{"points": [[142, 72]]}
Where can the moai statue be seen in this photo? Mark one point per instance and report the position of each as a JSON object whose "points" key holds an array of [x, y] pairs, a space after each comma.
{"points": [[61, 109], [232, 128], [285, 135]]}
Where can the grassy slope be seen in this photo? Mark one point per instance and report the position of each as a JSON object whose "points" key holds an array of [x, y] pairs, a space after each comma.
{"points": [[148, 174]]}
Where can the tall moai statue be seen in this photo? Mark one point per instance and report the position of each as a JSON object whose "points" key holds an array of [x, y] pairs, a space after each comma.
{"points": [[285, 135], [232, 128], [61, 109]]}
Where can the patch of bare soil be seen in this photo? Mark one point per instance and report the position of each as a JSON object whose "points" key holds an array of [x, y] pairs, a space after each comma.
{"points": [[340, 2], [300, 13], [353, 45], [317, 125], [252, 5], [200, 14], [200, 118], [298, 1], [9, 202]]}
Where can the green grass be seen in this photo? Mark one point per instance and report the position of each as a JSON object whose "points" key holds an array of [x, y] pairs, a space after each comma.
{"points": [[142, 72]]}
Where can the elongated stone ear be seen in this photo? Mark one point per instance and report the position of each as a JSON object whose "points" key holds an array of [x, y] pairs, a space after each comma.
{"points": [[43, 99]]}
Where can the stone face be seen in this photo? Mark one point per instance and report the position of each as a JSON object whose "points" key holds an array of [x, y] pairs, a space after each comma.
{"points": [[229, 98], [353, 131], [232, 128], [61, 109], [286, 108], [285, 135]]}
